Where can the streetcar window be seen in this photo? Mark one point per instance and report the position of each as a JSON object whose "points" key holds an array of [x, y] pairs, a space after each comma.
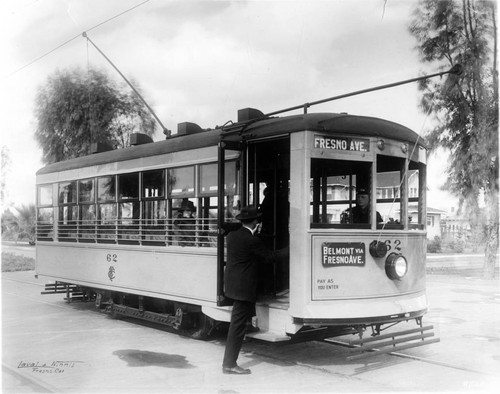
{"points": [[86, 192], [107, 213], [86, 211], [184, 222], [390, 172], [68, 211], [45, 216], [107, 225], [45, 224], [208, 179], [333, 188], [128, 186], [87, 223], [416, 190], [67, 225], [154, 213], [106, 188], [154, 219], [44, 195], [128, 225], [181, 181], [128, 212], [67, 192], [153, 184]]}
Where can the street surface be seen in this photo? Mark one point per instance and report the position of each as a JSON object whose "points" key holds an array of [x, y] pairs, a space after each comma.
{"points": [[51, 346]]}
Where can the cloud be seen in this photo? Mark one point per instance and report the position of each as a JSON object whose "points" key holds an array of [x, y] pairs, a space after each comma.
{"points": [[201, 61]]}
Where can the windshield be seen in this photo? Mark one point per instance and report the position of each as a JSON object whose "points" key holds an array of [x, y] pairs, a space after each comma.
{"points": [[341, 194]]}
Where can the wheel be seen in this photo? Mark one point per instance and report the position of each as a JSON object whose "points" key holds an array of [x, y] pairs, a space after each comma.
{"points": [[205, 326]]}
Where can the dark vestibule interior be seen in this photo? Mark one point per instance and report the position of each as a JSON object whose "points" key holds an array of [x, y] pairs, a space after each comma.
{"points": [[268, 188]]}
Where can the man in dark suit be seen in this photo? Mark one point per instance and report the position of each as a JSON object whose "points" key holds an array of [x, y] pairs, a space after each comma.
{"points": [[244, 254]]}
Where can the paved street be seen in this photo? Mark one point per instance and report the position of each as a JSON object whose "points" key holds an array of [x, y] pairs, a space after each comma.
{"points": [[91, 352], [51, 346]]}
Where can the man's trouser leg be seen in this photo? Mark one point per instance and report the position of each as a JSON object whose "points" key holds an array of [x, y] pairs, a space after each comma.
{"points": [[242, 311]]}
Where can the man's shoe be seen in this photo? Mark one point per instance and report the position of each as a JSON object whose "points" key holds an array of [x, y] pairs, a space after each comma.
{"points": [[236, 370], [250, 329]]}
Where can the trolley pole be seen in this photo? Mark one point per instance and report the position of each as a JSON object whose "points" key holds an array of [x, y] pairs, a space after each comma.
{"points": [[166, 131], [455, 70]]}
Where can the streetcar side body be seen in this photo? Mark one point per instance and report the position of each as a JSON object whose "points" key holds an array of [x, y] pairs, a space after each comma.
{"points": [[113, 264]]}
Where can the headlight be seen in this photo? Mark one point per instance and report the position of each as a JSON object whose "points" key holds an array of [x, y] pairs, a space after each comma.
{"points": [[396, 266]]}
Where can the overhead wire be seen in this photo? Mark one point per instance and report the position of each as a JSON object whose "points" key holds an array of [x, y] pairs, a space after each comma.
{"points": [[74, 38]]}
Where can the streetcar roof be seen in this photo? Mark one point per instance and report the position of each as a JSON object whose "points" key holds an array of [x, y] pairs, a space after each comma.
{"points": [[267, 127]]}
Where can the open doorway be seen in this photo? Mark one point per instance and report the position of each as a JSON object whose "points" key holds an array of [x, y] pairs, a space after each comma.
{"points": [[268, 189]]}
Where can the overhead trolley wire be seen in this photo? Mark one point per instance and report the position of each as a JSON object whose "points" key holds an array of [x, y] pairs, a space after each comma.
{"points": [[73, 38]]}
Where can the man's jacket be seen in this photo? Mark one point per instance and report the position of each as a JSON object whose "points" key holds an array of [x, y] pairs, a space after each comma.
{"points": [[244, 254]]}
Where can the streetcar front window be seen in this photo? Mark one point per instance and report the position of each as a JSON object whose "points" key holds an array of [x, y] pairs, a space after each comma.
{"points": [[393, 192], [336, 190], [390, 171], [416, 196]]}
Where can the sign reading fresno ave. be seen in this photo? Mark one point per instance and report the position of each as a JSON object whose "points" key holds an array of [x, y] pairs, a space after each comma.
{"points": [[342, 143]]}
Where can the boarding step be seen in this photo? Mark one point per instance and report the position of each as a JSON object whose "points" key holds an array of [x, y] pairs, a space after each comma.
{"points": [[59, 287], [391, 342], [73, 292]]}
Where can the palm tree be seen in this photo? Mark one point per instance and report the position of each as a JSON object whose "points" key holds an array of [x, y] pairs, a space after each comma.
{"points": [[20, 224]]}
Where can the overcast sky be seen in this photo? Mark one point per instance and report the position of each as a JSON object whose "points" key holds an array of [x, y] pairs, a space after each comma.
{"points": [[201, 61]]}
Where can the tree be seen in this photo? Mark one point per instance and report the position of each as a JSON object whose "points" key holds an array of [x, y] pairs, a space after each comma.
{"points": [[5, 164], [76, 108], [465, 107], [20, 224]]}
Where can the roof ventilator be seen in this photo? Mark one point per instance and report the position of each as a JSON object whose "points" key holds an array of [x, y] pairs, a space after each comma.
{"points": [[187, 128], [139, 139], [98, 147], [247, 114]]}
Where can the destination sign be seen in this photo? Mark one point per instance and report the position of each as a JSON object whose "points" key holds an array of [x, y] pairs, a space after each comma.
{"points": [[335, 254], [342, 143]]}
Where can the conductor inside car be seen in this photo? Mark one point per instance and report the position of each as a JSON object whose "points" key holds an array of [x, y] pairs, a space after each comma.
{"points": [[361, 212]]}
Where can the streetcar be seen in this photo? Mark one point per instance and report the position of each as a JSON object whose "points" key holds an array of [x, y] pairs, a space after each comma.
{"points": [[141, 231]]}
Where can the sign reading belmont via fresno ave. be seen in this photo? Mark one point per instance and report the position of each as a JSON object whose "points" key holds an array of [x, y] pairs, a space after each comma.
{"points": [[342, 143], [336, 254]]}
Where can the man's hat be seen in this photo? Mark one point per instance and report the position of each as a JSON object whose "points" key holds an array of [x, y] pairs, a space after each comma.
{"points": [[362, 191], [187, 206], [248, 213]]}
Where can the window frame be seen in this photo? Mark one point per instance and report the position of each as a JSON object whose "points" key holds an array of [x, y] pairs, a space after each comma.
{"points": [[45, 206]]}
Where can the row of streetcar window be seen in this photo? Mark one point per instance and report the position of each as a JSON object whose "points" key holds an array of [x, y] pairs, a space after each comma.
{"points": [[176, 206], [335, 184]]}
